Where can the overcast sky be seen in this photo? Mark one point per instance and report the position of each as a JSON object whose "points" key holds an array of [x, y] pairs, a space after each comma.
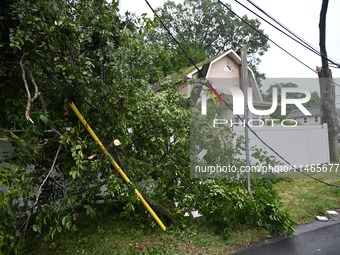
{"points": [[301, 16]]}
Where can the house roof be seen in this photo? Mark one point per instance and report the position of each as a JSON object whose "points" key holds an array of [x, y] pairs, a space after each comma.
{"points": [[187, 72], [315, 111], [205, 67], [262, 103]]}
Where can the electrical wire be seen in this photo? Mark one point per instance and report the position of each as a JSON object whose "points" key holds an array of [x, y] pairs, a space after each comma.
{"points": [[274, 151], [229, 106], [173, 38], [299, 40], [306, 44], [277, 45]]}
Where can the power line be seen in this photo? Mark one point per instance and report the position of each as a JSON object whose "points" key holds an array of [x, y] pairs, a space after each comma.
{"points": [[277, 45], [276, 153], [306, 44], [300, 41], [227, 104], [178, 43]]}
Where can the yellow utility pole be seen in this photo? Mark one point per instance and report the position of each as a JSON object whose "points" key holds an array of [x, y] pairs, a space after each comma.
{"points": [[114, 163]]}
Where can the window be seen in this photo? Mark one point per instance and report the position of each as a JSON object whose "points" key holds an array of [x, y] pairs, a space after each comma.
{"points": [[227, 68], [316, 118], [304, 120]]}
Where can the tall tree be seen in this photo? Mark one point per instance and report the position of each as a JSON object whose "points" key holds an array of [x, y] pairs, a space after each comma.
{"points": [[206, 29], [327, 90], [55, 51]]}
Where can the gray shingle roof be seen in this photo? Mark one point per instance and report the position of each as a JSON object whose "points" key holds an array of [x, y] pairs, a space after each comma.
{"points": [[315, 111]]}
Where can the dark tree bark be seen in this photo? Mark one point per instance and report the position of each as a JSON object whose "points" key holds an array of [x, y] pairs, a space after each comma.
{"points": [[327, 90]]}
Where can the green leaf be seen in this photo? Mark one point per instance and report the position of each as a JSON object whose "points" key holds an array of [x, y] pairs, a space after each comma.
{"points": [[210, 94], [11, 212], [44, 118], [68, 225], [63, 220], [37, 228]]}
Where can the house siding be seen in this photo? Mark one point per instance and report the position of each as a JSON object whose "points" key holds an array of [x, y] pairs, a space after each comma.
{"points": [[226, 66], [218, 69]]}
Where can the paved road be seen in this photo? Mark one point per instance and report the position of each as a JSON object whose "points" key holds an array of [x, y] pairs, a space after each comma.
{"points": [[321, 241]]}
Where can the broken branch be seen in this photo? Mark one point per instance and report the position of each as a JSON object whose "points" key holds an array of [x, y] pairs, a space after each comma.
{"points": [[48, 175], [36, 90], [29, 98]]}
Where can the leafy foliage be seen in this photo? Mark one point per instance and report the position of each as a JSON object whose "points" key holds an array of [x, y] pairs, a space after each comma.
{"points": [[55, 51], [228, 203], [223, 197], [205, 29]]}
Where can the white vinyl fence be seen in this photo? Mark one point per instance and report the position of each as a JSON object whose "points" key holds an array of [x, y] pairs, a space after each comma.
{"points": [[301, 145]]}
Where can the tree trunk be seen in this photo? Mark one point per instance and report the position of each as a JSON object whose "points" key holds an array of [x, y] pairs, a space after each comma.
{"points": [[327, 90]]}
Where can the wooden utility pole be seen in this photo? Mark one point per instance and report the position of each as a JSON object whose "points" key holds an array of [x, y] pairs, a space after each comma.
{"points": [[327, 90]]}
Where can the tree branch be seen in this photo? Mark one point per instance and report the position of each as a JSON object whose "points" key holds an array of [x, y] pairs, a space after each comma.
{"points": [[36, 90], [38, 193], [29, 98], [47, 176], [160, 207]]}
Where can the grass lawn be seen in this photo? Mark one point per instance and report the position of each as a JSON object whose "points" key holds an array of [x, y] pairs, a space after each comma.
{"points": [[302, 198], [112, 236]]}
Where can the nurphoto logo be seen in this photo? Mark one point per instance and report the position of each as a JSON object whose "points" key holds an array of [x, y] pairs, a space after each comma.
{"points": [[238, 106]]}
